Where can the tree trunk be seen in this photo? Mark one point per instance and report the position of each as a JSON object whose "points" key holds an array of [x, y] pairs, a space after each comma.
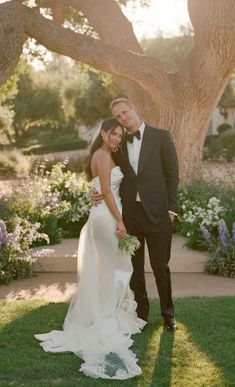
{"points": [[182, 102]]}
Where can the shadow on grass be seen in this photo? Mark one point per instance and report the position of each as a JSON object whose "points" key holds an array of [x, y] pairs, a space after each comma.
{"points": [[209, 323], [210, 327], [25, 362], [156, 356], [163, 364]]}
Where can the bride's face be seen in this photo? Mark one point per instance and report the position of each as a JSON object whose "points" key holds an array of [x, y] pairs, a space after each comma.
{"points": [[113, 137]]}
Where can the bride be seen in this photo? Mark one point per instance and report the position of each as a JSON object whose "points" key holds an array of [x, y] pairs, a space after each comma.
{"points": [[101, 317]]}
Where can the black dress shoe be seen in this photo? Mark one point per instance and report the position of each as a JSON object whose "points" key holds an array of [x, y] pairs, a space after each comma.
{"points": [[169, 323]]}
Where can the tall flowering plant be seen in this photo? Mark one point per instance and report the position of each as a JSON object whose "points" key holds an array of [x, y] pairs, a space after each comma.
{"points": [[57, 200], [195, 216], [73, 190], [43, 207], [35, 201], [221, 249], [16, 258], [203, 204], [65, 195]]}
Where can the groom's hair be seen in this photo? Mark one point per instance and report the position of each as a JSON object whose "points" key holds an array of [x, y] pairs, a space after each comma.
{"points": [[120, 100]]}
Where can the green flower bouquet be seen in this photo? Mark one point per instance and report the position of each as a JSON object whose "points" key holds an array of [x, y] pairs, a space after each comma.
{"points": [[129, 244]]}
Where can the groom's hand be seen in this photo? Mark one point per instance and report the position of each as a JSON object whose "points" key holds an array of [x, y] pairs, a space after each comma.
{"points": [[172, 216], [95, 197]]}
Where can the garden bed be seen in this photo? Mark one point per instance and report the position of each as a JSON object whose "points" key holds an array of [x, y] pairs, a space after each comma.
{"points": [[52, 205]]}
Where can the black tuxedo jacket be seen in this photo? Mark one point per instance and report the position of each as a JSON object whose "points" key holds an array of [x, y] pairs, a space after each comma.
{"points": [[157, 177]]}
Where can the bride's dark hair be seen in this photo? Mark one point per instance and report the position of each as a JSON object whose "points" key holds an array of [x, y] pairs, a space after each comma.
{"points": [[108, 125]]}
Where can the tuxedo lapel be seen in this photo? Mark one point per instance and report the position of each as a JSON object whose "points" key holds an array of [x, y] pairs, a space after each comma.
{"points": [[147, 145], [126, 157]]}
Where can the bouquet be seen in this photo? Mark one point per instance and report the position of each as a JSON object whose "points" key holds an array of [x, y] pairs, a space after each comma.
{"points": [[129, 244]]}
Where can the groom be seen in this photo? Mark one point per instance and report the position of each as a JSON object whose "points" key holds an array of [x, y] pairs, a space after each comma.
{"points": [[148, 193]]}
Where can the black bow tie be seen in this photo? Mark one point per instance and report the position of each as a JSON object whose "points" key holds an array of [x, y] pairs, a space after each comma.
{"points": [[130, 136]]}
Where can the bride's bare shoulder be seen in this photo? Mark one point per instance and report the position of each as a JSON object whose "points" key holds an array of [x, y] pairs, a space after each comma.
{"points": [[101, 156]]}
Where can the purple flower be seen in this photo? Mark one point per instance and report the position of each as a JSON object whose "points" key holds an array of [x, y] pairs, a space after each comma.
{"points": [[3, 233], [11, 239], [223, 235], [206, 235]]}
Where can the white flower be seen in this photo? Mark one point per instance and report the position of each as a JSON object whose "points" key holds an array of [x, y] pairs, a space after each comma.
{"points": [[129, 244]]}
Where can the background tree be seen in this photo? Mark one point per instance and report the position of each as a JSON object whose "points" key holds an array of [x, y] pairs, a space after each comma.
{"points": [[182, 101], [32, 103], [228, 98], [6, 125], [170, 50], [50, 99], [10, 89], [85, 92], [92, 103]]}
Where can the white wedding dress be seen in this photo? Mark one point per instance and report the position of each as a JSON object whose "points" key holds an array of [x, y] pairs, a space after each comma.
{"points": [[101, 317]]}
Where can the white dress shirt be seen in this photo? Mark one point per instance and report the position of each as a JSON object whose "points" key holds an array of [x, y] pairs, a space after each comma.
{"points": [[134, 152]]}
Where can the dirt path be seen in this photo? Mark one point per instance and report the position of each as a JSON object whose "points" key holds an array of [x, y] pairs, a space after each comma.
{"points": [[59, 287]]}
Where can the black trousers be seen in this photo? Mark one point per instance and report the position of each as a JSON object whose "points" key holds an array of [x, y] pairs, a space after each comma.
{"points": [[158, 239]]}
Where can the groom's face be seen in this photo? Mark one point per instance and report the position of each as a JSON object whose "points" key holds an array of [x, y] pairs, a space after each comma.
{"points": [[127, 116]]}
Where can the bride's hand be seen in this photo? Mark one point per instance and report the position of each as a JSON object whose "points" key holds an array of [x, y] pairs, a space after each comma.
{"points": [[121, 230]]}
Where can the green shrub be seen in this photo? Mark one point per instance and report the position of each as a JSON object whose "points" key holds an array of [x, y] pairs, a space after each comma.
{"points": [[55, 200], [72, 190], [221, 250], [43, 132], [211, 138], [202, 205], [33, 201], [227, 141], [6, 123], [56, 147], [6, 147], [207, 214], [44, 206], [73, 163], [15, 257], [212, 149], [13, 269], [14, 163], [223, 127], [49, 225]]}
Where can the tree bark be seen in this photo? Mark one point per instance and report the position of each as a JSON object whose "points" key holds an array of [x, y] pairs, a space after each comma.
{"points": [[182, 102], [12, 38]]}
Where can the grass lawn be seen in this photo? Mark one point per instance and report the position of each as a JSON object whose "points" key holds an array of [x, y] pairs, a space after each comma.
{"points": [[199, 354]]}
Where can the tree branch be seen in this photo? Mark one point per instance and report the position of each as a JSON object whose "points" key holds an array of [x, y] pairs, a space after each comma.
{"points": [[106, 16], [121, 35], [212, 58], [58, 11], [117, 61], [145, 76]]}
